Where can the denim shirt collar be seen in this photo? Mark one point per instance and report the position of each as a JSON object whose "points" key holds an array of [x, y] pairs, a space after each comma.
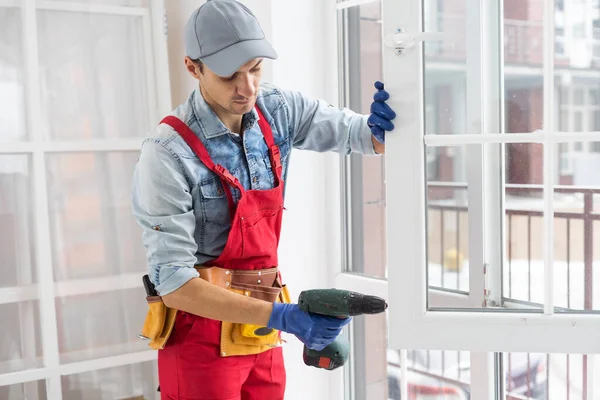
{"points": [[210, 124]]}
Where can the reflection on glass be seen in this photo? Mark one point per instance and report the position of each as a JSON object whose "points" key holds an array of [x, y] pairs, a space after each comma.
{"points": [[17, 261], [98, 325], [20, 340], [35, 390], [444, 68], [93, 231], [93, 74], [135, 382], [12, 79]]}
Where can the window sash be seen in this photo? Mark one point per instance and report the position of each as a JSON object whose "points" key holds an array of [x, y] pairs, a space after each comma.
{"points": [[406, 241]]}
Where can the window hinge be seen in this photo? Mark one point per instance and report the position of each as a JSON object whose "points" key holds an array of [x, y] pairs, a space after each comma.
{"points": [[488, 302]]}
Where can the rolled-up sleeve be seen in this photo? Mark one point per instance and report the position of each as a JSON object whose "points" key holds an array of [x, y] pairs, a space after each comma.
{"points": [[319, 126], [162, 206]]}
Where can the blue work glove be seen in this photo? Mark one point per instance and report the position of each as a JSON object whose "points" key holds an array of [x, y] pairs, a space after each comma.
{"points": [[314, 330], [381, 114]]}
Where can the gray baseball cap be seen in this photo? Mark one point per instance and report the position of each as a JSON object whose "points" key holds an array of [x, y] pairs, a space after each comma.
{"points": [[224, 35]]}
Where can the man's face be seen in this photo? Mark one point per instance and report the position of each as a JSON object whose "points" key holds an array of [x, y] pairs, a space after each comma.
{"points": [[235, 94]]}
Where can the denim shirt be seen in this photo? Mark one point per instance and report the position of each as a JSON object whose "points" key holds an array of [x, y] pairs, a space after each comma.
{"points": [[180, 203]]}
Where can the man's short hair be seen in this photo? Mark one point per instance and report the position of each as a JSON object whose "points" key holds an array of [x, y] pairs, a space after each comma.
{"points": [[200, 65]]}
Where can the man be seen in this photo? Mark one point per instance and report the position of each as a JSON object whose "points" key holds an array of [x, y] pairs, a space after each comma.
{"points": [[208, 191]]}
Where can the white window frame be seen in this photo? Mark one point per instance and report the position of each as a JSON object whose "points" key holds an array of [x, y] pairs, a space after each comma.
{"points": [[482, 364], [46, 291], [404, 74], [414, 322]]}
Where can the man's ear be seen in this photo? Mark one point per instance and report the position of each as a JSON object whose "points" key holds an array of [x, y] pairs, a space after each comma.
{"points": [[191, 67]]}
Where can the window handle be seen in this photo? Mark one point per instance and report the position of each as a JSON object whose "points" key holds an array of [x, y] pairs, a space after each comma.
{"points": [[402, 41]]}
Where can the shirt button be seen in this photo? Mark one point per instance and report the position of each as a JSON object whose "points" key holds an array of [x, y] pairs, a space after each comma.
{"points": [[255, 179], [219, 191]]}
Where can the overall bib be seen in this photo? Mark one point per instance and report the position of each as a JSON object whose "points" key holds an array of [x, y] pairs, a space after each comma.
{"points": [[193, 364]]}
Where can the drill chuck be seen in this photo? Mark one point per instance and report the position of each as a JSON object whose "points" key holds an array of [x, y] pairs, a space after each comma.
{"points": [[365, 304]]}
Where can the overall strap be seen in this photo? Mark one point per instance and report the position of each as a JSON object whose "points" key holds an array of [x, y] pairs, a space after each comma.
{"points": [[196, 145], [274, 153]]}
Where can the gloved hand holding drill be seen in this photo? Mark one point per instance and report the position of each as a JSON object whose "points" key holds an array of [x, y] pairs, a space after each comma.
{"points": [[318, 319], [314, 330]]}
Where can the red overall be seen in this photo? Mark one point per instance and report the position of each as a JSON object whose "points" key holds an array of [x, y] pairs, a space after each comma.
{"points": [[190, 366]]}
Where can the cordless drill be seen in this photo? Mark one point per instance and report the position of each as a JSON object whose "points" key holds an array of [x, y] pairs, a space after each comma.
{"points": [[336, 303]]}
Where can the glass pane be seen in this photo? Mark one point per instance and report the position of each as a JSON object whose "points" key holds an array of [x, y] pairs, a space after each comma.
{"points": [[595, 96], [576, 231], [129, 382], [373, 359], [31, 391], [93, 74], [93, 231], [373, 187], [438, 374], [364, 58], [20, 340], [447, 218], [527, 377], [575, 285], [563, 123], [522, 272], [445, 63], [578, 18], [12, 79], [523, 33], [523, 104], [578, 126], [17, 263], [550, 376], [99, 325], [578, 98], [432, 374], [374, 220]]}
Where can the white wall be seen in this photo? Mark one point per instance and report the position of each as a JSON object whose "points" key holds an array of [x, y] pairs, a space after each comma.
{"points": [[301, 32]]}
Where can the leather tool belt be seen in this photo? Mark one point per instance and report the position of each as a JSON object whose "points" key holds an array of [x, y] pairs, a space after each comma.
{"points": [[236, 339], [261, 284]]}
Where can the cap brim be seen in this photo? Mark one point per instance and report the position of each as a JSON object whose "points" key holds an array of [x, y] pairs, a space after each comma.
{"points": [[230, 59]]}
